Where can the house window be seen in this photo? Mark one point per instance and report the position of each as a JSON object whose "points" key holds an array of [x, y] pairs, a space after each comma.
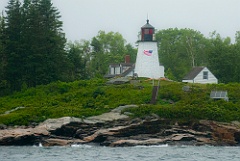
{"points": [[205, 75]]}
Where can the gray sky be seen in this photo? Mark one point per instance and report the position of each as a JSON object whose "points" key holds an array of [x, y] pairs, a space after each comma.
{"points": [[84, 18]]}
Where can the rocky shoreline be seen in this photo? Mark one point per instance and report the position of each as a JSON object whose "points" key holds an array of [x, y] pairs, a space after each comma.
{"points": [[116, 129]]}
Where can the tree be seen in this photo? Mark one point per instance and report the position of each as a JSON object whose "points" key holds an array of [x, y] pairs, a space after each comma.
{"points": [[15, 56], [35, 43], [222, 58], [195, 44], [3, 56], [107, 48], [78, 54], [237, 56], [50, 43], [2, 48], [130, 50], [180, 50]]}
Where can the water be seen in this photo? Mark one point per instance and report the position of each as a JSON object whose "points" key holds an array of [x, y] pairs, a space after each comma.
{"points": [[138, 153]]}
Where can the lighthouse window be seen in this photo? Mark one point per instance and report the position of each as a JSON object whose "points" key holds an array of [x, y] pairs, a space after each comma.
{"points": [[151, 31], [146, 31]]}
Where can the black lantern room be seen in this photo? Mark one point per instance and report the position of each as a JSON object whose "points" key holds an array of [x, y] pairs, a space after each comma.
{"points": [[147, 32]]}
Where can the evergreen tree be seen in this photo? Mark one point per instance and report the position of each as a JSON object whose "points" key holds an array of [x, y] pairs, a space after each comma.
{"points": [[52, 43], [15, 57], [35, 43], [3, 58]]}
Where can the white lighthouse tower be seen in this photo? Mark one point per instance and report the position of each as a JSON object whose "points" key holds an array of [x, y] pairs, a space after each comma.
{"points": [[147, 62]]}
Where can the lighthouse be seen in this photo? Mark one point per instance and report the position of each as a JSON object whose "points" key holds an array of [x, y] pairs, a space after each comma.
{"points": [[147, 61]]}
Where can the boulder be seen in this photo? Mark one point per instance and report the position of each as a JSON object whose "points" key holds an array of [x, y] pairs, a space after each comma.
{"points": [[18, 136]]}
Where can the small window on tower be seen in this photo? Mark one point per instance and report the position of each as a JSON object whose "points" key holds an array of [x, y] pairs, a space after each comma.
{"points": [[205, 75], [151, 31], [146, 31]]}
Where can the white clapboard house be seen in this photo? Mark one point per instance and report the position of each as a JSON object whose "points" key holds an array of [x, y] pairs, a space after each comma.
{"points": [[200, 75], [122, 69]]}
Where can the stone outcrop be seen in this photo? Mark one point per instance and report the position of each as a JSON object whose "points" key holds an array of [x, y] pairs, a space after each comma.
{"points": [[116, 129], [22, 136]]}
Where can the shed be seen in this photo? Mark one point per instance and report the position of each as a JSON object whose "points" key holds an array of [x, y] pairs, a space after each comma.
{"points": [[219, 95], [200, 75]]}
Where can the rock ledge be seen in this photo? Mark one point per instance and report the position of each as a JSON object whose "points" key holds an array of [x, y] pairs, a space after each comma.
{"points": [[116, 129]]}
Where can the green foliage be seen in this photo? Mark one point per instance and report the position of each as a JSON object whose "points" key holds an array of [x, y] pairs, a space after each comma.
{"points": [[141, 111], [108, 48], [180, 50], [224, 58], [78, 54], [98, 92], [58, 99], [193, 105], [33, 43], [93, 97]]}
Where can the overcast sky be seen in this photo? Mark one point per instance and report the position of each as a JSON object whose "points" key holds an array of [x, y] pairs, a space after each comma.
{"points": [[84, 18]]}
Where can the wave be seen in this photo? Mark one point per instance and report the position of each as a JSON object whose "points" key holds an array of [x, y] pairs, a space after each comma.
{"points": [[81, 146], [39, 145], [153, 146]]}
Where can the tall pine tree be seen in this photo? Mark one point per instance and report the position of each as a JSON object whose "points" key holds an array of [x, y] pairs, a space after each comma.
{"points": [[52, 41], [35, 43], [3, 58], [15, 57]]}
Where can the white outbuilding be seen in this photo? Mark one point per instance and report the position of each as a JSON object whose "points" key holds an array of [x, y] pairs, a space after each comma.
{"points": [[200, 75]]}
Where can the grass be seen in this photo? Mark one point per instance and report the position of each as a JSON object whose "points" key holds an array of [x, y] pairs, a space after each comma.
{"points": [[93, 97]]}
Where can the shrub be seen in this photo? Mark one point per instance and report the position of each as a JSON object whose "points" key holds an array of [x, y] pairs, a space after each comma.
{"points": [[91, 97]]}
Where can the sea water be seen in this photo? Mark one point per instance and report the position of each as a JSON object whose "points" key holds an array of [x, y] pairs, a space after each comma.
{"points": [[137, 153]]}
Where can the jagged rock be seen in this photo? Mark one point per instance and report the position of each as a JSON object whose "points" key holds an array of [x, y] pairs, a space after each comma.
{"points": [[103, 132], [111, 116], [18, 136], [2, 126], [53, 124], [60, 142], [55, 142], [223, 133], [138, 142], [121, 108], [116, 129]]}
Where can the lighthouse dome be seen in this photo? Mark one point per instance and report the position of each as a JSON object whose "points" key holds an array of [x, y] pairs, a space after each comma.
{"points": [[147, 32], [147, 26]]}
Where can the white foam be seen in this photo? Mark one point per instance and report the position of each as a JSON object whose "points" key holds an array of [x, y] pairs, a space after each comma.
{"points": [[154, 146], [80, 146]]}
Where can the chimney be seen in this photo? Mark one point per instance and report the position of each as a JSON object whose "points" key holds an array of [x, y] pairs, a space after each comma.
{"points": [[127, 59]]}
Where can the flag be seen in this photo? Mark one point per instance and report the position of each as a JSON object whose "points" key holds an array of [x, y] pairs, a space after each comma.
{"points": [[148, 52]]}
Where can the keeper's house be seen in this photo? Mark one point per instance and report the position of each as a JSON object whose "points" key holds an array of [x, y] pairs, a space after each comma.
{"points": [[200, 75], [122, 69]]}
